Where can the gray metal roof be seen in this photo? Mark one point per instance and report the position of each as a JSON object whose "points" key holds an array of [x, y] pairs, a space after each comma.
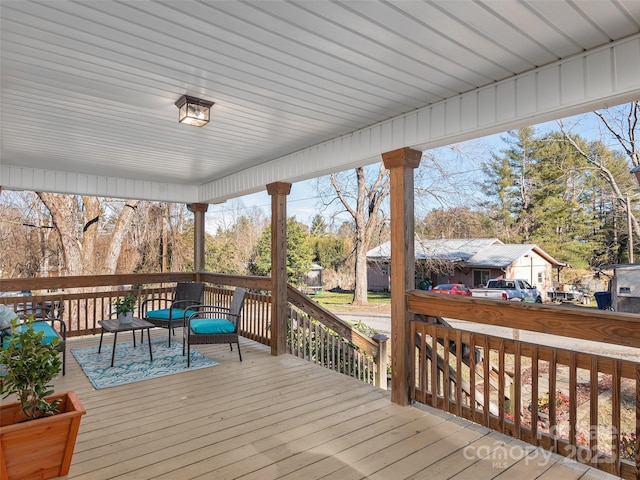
{"points": [[472, 252], [454, 250], [499, 255]]}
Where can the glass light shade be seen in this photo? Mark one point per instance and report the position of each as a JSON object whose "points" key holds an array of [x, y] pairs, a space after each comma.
{"points": [[193, 111]]}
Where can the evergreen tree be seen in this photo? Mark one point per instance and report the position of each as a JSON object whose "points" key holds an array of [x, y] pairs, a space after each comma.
{"points": [[508, 184], [547, 191], [329, 251], [559, 221], [318, 226], [299, 253]]}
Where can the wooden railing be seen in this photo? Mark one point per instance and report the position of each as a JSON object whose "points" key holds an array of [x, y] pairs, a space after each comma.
{"points": [[581, 405], [314, 333], [94, 299], [345, 349]]}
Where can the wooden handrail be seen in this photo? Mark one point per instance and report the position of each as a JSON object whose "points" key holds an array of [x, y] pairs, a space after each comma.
{"points": [[311, 308], [245, 281], [583, 323], [84, 281]]}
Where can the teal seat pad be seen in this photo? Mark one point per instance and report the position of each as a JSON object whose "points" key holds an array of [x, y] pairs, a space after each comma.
{"points": [[212, 325], [47, 329], [163, 314]]}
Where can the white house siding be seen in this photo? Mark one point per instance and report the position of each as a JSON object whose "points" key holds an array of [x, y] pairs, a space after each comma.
{"points": [[535, 270]]}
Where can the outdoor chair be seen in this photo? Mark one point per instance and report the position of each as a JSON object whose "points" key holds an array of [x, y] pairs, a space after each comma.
{"points": [[43, 321], [212, 324], [186, 296]]}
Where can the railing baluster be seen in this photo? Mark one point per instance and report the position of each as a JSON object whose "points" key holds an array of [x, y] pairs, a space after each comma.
{"points": [[486, 381], [593, 411], [552, 400], [534, 395], [516, 397], [445, 370], [573, 404], [459, 353], [637, 449], [434, 366], [615, 414], [472, 377], [501, 386]]}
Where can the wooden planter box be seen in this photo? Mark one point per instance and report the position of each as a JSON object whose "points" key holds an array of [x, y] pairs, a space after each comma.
{"points": [[42, 448]]}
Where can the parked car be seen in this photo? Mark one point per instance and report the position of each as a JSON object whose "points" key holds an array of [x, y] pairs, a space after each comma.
{"points": [[509, 289], [453, 289]]}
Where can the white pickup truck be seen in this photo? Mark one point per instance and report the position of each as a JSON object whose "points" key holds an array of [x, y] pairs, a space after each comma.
{"points": [[509, 289]]}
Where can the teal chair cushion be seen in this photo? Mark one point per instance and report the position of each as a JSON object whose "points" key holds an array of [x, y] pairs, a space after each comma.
{"points": [[163, 314], [49, 332], [212, 325]]}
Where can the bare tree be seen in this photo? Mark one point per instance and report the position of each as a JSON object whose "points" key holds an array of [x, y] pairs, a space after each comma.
{"points": [[76, 220], [624, 129], [24, 232], [447, 177], [362, 200]]}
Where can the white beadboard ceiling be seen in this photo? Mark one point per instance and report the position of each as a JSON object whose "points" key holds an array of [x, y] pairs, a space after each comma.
{"points": [[301, 88]]}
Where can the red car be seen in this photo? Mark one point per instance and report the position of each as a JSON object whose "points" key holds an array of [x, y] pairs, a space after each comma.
{"points": [[453, 289]]}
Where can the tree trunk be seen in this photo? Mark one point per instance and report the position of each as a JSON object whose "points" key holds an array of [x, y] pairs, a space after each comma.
{"points": [[361, 283], [79, 232], [62, 209], [365, 216], [118, 235]]}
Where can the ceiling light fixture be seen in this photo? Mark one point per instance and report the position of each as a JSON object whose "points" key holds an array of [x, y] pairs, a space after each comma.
{"points": [[193, 111]]}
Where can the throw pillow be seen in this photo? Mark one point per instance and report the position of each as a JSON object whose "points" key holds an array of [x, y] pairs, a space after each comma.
{"points": [[6, 315]]}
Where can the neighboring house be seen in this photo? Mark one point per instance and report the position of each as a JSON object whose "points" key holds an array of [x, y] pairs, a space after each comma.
{"points": [[471, 261]]}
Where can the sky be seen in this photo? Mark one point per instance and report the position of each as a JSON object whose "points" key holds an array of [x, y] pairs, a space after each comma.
{"points": [[465, 159]]}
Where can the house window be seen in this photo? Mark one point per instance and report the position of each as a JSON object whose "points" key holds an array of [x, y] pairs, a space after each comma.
{"points": [[539, 277], [384, 270], [480, 277]]}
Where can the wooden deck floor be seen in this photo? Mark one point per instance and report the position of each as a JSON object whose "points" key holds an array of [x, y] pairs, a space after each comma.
{"points": [[283, 418]]}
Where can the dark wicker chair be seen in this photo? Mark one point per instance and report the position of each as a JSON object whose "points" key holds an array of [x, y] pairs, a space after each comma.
{"points": [[186, 295], [212, 324], [44, 321]]}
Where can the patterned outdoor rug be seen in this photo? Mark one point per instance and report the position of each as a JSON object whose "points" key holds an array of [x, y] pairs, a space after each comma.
{"points": [[133, 364]]}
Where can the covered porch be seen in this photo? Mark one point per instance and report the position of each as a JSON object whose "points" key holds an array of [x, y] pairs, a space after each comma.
{"points": [[281, 417], [300, 90]]}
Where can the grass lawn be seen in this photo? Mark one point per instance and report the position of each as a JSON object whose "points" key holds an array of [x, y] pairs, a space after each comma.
{"points": [[342, 300]]}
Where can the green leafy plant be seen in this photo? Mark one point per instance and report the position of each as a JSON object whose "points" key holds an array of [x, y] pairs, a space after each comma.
{"points": [[125, 304], [29, 367]]}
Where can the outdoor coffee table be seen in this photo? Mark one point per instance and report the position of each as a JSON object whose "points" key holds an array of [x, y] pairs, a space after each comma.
{"points": [[114, 326]]}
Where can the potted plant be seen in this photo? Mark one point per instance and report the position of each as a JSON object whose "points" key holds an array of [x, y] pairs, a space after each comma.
{"points": [[37, 433], [124, 308]]}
